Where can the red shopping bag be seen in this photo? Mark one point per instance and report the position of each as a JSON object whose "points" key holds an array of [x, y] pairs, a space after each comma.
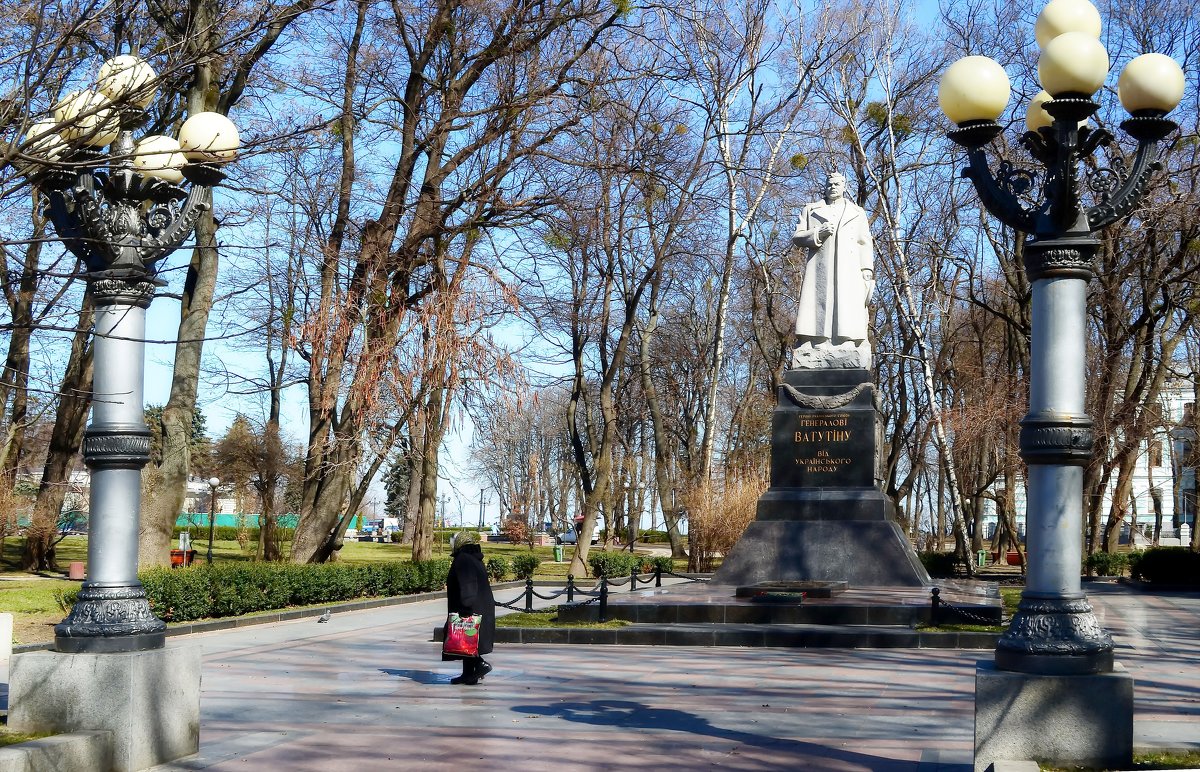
{"points": [[462, 636]]}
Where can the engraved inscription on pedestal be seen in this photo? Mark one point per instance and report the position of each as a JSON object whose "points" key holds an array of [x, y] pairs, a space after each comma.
{"points": [[823, 449], [823, 431]]}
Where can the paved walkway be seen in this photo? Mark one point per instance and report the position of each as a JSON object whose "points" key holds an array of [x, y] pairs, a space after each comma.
{"points": [[367, 692]]}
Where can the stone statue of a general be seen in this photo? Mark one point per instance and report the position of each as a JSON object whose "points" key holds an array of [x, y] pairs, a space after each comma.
{"points": [[831, 325]]}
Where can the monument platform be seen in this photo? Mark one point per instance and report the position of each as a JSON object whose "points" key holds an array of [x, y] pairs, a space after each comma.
{"points": [[824, 517], [709, 602]]}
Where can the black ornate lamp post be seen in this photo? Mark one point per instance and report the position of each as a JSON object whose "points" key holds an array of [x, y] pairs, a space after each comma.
{"points": [[213, 482], [1054, 630], [1053, 692], [120, 213]]}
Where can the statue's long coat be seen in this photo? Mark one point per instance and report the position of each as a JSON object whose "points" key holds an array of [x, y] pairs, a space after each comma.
{"points": [[833, 297]]}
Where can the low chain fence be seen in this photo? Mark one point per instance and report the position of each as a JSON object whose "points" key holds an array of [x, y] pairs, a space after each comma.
{"points": [[941, 611], [598, 595]]}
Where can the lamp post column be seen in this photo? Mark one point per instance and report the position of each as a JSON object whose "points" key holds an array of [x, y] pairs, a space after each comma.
{"points": [[112, 613], [1054, 630], [212, 514]]}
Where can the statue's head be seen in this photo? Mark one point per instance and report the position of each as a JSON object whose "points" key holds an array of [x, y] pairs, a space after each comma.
{"points": [[835, 186]]}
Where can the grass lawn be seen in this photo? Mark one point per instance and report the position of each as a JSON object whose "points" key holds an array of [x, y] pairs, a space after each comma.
{"points": [[549, 618], [1148, 760], [34, 607], [12, 738]]}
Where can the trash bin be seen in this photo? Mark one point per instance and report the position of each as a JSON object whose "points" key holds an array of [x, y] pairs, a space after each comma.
{"points": [[557, 553], [981, 556]]}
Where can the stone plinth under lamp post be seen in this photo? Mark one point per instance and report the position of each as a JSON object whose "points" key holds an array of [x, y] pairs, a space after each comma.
{"points": [[1053, 692], [120, 213]]}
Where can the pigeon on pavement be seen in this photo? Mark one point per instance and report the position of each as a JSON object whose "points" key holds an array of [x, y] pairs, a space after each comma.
{"points": [[325, 617]]}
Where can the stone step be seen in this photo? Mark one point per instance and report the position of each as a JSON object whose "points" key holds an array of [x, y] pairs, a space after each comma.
{"points": [[750, 635], [988, 612]]}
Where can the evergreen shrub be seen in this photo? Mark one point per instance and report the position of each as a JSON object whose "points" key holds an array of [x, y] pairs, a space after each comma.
{"points": [[664, 562], [1107, 563], [943, 565], [225, 589], [498, 568], [1168, 565], [613, 564], [525, 564]]}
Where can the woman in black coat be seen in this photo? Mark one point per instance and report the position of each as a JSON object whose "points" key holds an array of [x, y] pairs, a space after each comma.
{"points": [[468, 591]]}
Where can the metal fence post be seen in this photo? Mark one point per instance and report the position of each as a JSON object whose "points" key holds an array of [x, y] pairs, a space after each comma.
{"points": [[603, 599], [570, 588], [935, 606], [528, 595], [657, 575]]}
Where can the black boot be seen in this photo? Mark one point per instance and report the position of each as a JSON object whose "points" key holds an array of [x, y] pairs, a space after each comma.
{"points": [[468, 674], [482, 668]]}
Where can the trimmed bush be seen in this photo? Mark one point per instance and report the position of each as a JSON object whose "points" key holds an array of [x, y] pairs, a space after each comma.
{"points": [[233, 589], [940, 564], [613, 564], [525, 565], [498, 568], [663, 562], [1107, 563], [1168, 565], [225, 533]]}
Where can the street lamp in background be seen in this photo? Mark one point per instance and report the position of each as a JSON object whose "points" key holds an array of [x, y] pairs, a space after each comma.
{"points": [[1060, 207], [120, 212], [213, 482]]}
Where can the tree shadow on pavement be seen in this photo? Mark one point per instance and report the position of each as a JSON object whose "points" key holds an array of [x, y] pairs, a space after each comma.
{"points": [[635, 715]]}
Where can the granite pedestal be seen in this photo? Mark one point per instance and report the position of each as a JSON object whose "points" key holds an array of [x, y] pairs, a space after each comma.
{"points": [[824, 518], [1067, 720], [149, 700]]}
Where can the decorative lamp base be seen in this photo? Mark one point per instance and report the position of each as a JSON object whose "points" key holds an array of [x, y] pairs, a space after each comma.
{"points": [[209, 175], [54, 178], [1071, 107], [1055, 636], [1150, 127], [110, 619], [973, 134]]}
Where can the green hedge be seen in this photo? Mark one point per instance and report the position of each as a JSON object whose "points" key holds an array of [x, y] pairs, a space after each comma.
{"points": [[1107, 563], [665, 562], [525, 565], [498, 568], [942, 565], [225, 533], [1167, 565], [613, 564], [225, 590]]}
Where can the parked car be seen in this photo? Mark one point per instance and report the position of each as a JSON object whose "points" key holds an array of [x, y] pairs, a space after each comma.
{"points": [[570, 537]]}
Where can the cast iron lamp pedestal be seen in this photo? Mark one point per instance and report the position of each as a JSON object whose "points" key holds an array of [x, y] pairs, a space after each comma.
{"points": [[1054, 630], [120, 214], [1053, 692]]}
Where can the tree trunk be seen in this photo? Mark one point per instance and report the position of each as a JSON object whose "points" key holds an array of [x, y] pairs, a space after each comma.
{"points": [[435, 428], [672, 511], [158, 520], [74, 399], [16, 365]]}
